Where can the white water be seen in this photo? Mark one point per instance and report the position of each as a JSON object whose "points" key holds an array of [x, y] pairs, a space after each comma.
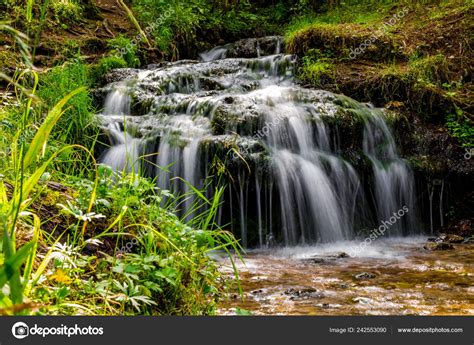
{"points": [[394, 187]]}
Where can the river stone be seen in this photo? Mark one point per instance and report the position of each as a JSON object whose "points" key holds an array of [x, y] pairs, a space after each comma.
{"points": [[365, 275], [438, 246], [452, 238], [319, 259], [304, 293]]}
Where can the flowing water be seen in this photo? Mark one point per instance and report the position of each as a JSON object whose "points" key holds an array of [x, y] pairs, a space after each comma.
{"points": [[398, 277], [308, 171]]}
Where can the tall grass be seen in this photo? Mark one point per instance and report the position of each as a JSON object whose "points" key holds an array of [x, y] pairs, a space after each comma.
{"points": [[26, 166], [47, 233]]}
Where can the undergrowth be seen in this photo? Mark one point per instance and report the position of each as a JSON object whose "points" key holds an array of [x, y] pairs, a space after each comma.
{"points": [[79, 238]]}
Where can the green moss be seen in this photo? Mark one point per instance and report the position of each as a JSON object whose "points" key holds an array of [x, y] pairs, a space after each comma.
{"points": [[316, 69], [433, 69], [8, 58]]}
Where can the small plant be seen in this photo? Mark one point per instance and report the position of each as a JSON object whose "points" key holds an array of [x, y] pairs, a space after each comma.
{"points": [[430, 70], [462, 128], [66, 10], [128, 51]]}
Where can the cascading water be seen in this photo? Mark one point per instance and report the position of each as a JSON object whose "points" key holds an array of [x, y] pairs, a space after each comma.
{"points": [[291, 180], [394, 186]]}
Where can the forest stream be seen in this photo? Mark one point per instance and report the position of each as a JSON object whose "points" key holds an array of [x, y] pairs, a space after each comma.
{"points": [[394, 277]]}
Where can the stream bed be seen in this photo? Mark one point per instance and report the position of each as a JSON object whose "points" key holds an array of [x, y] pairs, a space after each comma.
{"points": [[390, 277]]}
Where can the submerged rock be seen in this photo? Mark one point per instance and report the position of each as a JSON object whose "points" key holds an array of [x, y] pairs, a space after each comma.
{"points": [[304, 293], [320, 259], [451, 238], [438, 246], [365, 275]]}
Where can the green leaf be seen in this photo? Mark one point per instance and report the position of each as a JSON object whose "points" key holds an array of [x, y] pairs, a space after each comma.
{"points": [[12, 267]]}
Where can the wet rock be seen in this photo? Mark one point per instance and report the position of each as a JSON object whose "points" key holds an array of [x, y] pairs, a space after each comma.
{"points": [[314, 260], [120, 74], [446, 238], [319, 259], [254, 47], [451, 238], [362, 300], [365, 275], [303, 293], [438, 246]]}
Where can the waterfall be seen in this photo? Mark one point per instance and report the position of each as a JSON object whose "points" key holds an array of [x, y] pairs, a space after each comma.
{"points": [[291, 181], [394, 187], [215, 53], [124, 153]]}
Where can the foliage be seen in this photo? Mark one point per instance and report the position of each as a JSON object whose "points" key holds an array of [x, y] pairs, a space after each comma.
{"points": [[159, 266], [315, 68], [432, 69], [66, 10], [77, 122], [24, 166], [207, 21], [170, 21], [123, 44], [104, 242], [462, 128]]}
